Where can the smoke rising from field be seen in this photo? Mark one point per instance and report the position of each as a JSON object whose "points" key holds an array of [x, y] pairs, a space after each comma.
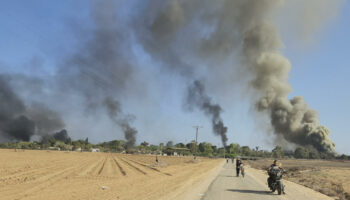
{"points": [[290, 118], [18, 122], [98, 68], [116, 114], [61, 135], [101, 69], [161, 36], [197, 98], [100, 65], [193, 39], [245, 25]]}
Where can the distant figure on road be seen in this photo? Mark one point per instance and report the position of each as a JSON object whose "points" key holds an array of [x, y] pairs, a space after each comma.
{"points": [[226, 160], [232, 160], [238, 166]]}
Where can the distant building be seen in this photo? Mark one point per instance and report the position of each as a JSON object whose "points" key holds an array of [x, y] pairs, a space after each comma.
{"points": [[78, 149], [95, 150], [55, 148]]}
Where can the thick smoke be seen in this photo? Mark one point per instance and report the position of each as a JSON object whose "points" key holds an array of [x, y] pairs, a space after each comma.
{"points": [[101, 70], [197, 98], [61, 135], [100, 67], [163, 34], [20, 123], [291, 119], [234, 25], [46, 120], [116, 114], [191, 38]]}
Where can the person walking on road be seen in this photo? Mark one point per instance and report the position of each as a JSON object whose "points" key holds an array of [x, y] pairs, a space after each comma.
{"points": [[238, 166]]}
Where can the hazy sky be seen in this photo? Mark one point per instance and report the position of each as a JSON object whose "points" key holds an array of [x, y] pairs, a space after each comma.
{"points": [[36, 36]]}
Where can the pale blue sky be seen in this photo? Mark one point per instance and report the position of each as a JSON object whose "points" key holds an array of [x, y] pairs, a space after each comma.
{"points": [[40, 32]]}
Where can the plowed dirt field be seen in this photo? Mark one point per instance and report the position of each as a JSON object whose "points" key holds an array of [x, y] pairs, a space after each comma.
{"points": [[55, 175]]}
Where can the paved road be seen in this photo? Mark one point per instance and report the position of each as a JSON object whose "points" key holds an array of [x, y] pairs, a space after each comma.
{"points": [[227, 186]]}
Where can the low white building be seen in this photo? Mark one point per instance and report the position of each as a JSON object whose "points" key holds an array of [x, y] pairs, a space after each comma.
{"points": [[78, 149], [95, 150], [54, 148]]}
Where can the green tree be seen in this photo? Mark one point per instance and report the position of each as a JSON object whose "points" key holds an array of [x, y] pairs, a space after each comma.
{"points": [[205, 149], [68, 141], [313, 153], [153, 147], [180, 145], [170, 144], [208, 150], [145, 144], [201, 147], [24, 145], [277, 152], [246, 151], [192, 146], [301, 152], [234, 149]]}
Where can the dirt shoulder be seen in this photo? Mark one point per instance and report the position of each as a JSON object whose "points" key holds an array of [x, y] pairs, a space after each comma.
{"points": [[195, 188], [331, 178]]}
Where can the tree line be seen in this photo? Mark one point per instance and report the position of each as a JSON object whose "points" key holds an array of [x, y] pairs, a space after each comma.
{"points": [[204, 149]]}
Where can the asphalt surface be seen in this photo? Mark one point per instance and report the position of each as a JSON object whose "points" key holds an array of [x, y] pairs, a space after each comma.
{"points": [[226, 186]]}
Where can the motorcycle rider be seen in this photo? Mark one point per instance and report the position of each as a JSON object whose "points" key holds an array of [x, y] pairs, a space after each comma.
{"points": [[238, 166], [275, 164]]}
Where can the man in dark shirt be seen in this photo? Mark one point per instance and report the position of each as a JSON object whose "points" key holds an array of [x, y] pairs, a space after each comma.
{"points": [[275, 164], [238, 166]]}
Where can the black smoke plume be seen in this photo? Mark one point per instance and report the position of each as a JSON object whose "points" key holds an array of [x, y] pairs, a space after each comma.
{"points": [[246, 27], [61, 135], [182, 37], [197, 98], [122, 120], [101, 70], [19, 122]]}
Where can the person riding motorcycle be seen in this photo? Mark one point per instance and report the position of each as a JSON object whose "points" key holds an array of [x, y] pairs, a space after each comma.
{"points": [[275, 165]]}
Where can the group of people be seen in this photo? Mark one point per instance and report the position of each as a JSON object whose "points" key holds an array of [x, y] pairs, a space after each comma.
{"points": [[240, 169]]}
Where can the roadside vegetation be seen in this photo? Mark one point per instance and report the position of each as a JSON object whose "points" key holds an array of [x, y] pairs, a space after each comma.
{"points": [[204, 149]]}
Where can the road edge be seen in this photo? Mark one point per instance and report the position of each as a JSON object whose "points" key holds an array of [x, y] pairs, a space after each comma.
{"points": [[197, 190]]}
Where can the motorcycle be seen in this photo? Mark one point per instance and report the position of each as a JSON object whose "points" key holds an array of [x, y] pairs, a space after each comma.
{"points": [[275, 180]]}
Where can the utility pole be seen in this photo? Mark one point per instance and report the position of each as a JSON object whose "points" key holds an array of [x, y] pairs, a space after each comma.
{"points": [[224, 151], [197, 128]]}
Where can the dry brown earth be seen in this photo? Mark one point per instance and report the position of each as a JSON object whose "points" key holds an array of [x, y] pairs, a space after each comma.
{"points": [[43, 175], [328, 177]]}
